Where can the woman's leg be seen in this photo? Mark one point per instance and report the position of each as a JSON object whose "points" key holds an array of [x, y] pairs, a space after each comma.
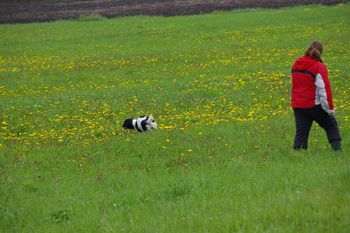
{"points": [[303, 125], [330, 125]]}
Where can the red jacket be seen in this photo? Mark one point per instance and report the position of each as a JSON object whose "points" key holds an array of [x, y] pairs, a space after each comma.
{"points": [[310, 85]]}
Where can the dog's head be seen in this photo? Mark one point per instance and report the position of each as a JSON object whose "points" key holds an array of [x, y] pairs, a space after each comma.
{"points": [[151, 123]]}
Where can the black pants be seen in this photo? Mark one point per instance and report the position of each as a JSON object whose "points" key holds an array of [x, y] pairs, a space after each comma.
{"points": [[303, 121]]}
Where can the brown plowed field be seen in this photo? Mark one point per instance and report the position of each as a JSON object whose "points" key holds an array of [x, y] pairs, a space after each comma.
{"points": [[25, 11]]}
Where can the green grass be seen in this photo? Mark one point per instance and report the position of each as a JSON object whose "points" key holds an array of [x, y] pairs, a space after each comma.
{"points": [[218, 85]]}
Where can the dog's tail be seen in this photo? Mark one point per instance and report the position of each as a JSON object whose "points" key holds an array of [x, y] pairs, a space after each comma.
{"points": [[128, 124]]}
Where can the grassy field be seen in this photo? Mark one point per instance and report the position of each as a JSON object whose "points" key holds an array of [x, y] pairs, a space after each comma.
{"points": [[219, 87]]}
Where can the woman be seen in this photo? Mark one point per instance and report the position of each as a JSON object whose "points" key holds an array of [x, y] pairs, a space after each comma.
{"points": [[312, 98]]}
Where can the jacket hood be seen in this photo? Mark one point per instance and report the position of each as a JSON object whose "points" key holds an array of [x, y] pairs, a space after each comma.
{"points": [[304, 63]]}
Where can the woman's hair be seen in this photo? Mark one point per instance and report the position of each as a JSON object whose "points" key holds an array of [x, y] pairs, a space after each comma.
{"points": [[315, 50]]}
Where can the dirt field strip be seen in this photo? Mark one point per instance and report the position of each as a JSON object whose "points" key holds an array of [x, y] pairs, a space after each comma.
{"points": [[27, 11]]}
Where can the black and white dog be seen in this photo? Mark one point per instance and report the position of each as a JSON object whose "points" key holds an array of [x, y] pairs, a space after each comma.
{"points": [[141, 124]]}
